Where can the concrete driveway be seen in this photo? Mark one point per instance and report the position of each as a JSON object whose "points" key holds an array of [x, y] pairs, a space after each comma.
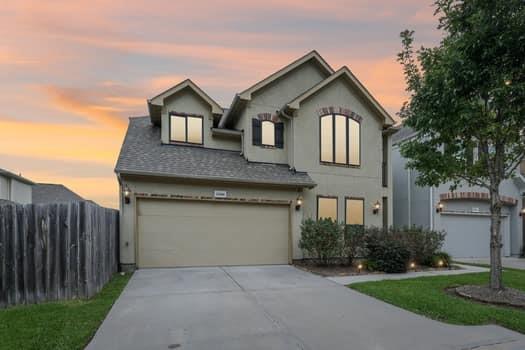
{"points": [[272, 307]]}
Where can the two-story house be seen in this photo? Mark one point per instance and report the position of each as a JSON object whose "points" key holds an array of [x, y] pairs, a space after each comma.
{"points": [[202, 185]]}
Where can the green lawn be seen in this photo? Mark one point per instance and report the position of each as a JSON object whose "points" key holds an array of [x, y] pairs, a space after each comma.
{"points": [[426, 296], [58, 325]]}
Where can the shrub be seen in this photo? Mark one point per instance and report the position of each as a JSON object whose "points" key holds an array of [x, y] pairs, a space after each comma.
{"points": [[385, 252], [354, 242], [421, 243], [437, 257], [321, 238]]}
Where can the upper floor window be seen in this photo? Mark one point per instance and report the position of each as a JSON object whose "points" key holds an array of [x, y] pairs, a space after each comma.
{"points": [[186, 128], [340, 140], [267, 133]]}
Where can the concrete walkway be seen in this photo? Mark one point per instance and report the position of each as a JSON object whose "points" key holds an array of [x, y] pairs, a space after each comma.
{"points": [[273, 307], [511, 263], [346, 280]]}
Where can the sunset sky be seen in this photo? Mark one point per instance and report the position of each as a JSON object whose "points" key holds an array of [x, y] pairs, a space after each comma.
{"points": [[72, 72]]}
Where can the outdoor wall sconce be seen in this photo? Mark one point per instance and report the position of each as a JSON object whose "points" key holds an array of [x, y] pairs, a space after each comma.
{"points": [[376, 207], [522, 212], [439, 207], [127, 194], [298, 203]]}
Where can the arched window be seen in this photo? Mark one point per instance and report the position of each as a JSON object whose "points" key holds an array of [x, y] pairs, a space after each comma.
{"points": [[340, 140]]}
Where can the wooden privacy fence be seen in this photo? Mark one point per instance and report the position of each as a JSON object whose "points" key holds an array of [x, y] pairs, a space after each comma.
{"points": [[56, 251]]}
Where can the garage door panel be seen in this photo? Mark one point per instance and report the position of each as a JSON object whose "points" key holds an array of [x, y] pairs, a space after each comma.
{"points": [[184, 233], [469, 236]]}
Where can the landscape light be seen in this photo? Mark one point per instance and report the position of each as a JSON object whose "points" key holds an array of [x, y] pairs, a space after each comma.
{"points": [[440, 263], [439, 207], [412, 265], [360, 267]]}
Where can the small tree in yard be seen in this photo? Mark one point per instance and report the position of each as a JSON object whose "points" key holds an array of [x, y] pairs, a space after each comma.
{"points": [[469, 93]]}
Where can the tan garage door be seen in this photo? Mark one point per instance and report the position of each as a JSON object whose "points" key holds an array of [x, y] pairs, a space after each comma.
{"points": [[198, 233]]}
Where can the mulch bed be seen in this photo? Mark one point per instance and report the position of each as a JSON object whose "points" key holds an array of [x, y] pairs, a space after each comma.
{"points": [[351, 270], [507, 296]]}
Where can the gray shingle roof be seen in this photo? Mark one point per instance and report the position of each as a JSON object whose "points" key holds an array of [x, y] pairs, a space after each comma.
{"points": [[53, 193], [403, 133], [143, 154]]}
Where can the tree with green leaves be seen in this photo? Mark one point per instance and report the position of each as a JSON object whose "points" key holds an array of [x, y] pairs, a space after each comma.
{"points": [[466, 94]]}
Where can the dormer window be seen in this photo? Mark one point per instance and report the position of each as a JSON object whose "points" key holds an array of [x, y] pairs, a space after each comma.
{"points": [[186, 128], [267, 133]]}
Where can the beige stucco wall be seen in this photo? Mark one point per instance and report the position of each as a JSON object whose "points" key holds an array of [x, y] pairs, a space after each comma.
{"points": [[271, 99], [187, 101], [363, 181], [171, 187]]}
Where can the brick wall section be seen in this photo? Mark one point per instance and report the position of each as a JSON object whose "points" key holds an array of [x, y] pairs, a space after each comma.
{"points": [[481, 196], [339, 110]]}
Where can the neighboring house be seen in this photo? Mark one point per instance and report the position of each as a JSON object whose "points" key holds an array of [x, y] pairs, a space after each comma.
{"points": [[15, 188], [202, 185], [463, 214], [53, 193]]}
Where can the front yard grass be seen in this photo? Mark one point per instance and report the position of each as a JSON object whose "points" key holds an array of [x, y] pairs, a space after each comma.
{"points": [[58, 325], [427, 296]]}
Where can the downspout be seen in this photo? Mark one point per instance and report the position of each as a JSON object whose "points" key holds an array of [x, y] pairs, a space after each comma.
{"points": [[409, 198], [242, 142], [431, 208], [291, 142]]}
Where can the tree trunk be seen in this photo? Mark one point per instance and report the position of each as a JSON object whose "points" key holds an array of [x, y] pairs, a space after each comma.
{"points": [[496, 281]]}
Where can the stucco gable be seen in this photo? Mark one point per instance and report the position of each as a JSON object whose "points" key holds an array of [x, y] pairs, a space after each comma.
{"points": [[348, 76], [155, 103], [240, 100]]}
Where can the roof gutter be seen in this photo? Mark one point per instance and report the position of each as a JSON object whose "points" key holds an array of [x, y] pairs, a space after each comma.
{"points": [[216, 178]]}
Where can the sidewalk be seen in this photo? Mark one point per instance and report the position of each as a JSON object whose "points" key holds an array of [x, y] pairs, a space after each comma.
{"points": [[511, 263], [345, 280]]}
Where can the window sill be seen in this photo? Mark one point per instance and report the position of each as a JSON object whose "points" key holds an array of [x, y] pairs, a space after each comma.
{"points": [[340, 165], [176, 143]]}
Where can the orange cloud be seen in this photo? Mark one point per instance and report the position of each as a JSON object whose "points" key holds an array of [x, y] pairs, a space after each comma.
{"points": [[60, 141], [71, 102]]}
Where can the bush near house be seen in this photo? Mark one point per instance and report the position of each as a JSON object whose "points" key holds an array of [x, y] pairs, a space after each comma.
{"points": [[384, 249], [321, 239], [389, 255]]}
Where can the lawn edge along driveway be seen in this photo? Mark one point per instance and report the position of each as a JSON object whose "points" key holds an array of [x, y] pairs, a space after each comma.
{"points": [[427, 296], [58, 325]]}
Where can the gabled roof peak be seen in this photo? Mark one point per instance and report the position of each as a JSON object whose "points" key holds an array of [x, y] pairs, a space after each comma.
{"points": [[155, 103], [246, 95], [344, 72]]}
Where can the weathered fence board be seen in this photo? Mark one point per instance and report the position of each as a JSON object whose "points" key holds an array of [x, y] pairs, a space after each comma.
{"points": [[55, 251]]}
